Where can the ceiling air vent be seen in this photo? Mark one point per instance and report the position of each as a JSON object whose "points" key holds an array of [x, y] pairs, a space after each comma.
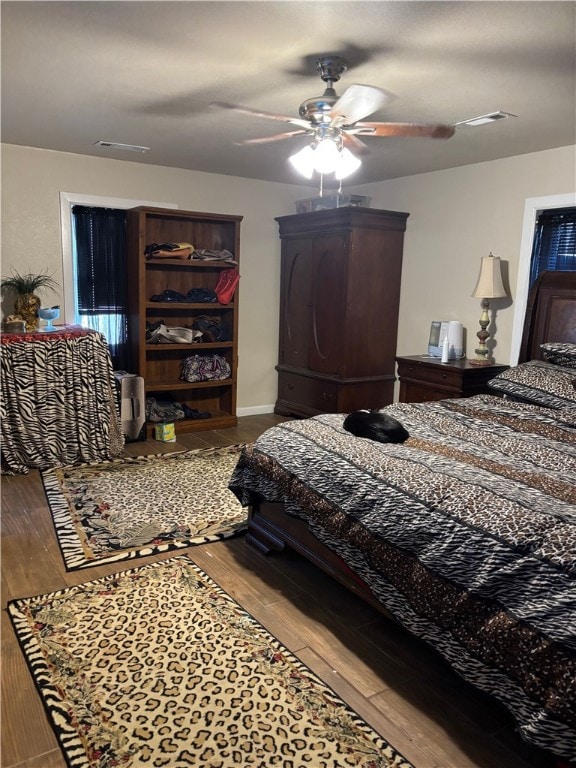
{"points": [[123, 147], [483, 119]]}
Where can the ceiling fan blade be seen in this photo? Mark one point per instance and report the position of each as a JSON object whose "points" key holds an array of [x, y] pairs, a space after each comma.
{"points": [[430, 130], [276, 137], [353, 143], [260, 113], [356, 102]]}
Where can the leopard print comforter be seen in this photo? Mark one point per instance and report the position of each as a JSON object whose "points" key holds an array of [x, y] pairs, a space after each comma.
{"points": [[466, 533]]}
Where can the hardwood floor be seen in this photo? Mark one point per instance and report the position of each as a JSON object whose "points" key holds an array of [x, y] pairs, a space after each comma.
{"points": [[395, 682]]}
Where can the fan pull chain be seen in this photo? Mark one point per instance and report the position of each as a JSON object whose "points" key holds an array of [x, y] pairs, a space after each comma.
{"points": [[321, 185]]}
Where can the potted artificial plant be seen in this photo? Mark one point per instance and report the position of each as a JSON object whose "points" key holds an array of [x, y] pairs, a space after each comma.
{"points": [[25, 287]]}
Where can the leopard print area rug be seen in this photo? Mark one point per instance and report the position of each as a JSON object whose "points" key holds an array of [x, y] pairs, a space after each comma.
{"points": [[158, 666], [117, 510]]}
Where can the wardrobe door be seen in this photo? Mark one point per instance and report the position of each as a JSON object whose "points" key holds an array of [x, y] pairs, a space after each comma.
{"points": [[329, 256], [296, 302], [373, 300]]}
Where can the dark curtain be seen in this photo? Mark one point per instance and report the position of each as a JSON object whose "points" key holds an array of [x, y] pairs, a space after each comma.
{"points": [[101, 275], [554, 242]]}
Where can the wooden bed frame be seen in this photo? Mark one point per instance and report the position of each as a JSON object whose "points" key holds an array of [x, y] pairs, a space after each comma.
{"points": [[550, 316]]}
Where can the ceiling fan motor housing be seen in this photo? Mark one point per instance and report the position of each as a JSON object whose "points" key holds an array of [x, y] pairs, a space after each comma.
{"points": [[317, 109], [331, 67]]}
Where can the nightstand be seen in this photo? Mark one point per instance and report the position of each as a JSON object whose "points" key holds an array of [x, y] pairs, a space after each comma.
{"points": [[426, 378]]}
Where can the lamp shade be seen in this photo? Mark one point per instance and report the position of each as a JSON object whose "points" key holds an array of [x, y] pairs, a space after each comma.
{"points": [[490, 285], [347, 165], [303, 161], [325, 157]]}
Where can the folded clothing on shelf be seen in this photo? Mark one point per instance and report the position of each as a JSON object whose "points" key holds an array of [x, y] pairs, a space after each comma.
{"points": [[169, 251], [194, 296], [201, 296], [186, 251], [166, 409], [163, 409], [204, 254]]}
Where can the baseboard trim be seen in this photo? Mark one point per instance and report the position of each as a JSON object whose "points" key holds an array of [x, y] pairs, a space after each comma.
{"points": [[255, 410]]}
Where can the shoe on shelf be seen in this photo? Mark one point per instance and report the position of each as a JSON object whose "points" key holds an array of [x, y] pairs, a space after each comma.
{"points": [[151, 328], [192, 413]]}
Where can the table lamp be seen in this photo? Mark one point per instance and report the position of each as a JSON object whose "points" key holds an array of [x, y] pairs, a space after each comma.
{"points": [[489, 286]]}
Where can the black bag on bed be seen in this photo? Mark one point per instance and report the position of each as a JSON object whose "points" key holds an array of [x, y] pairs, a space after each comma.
{"points": [[375, 425]]}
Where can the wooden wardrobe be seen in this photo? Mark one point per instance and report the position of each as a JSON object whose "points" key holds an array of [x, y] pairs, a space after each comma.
{"points": [[340, 292]]}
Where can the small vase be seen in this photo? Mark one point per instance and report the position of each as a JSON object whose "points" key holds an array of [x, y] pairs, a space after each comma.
{"points": [[26, 305]]}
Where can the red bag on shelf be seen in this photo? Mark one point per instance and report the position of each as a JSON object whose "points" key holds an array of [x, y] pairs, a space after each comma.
{"points": [[226, 285]]}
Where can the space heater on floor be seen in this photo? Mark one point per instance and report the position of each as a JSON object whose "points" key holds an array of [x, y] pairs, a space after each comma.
{"points": [[131, 405]]}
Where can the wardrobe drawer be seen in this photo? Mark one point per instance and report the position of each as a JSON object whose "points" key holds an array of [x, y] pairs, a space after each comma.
{"points": [[315, 394]]}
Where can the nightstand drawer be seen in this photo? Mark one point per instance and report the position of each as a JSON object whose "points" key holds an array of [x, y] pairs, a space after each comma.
{"points": [[432, 375], [420, 393]]}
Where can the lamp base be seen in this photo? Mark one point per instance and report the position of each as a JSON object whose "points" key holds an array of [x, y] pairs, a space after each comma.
{"points": [[482, 350]]}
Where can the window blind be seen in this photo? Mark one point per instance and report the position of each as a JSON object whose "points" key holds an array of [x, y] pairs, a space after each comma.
{"points": [[554, 242], [101, 275]]}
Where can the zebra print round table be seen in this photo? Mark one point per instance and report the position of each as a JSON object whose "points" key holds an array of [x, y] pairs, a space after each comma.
{"points": [[58, 402]]}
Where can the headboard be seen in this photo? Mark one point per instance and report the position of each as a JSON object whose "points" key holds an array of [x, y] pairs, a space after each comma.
{"points": [[550, 313]]}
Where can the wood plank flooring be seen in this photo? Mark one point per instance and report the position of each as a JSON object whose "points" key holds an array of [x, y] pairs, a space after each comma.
{"points": [[395, 682]]}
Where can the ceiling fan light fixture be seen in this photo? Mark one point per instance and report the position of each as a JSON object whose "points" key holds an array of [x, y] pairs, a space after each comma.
{"points": [[326, 156], [347, 165], [303, 161]]}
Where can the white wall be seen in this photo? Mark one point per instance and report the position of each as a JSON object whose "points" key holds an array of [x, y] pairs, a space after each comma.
{"points": [[32, 180], [456, 216]]}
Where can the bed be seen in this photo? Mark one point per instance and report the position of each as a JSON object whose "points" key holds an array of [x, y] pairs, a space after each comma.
{"points": [[466, 533]]}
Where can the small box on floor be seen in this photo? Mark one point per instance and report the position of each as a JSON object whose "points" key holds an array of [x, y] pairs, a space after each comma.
{"points": [[166, 433]]}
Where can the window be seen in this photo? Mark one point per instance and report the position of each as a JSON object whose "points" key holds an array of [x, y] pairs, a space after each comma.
{"points": [[99, 247], [554, 242], [533, 207], [68, 200]]}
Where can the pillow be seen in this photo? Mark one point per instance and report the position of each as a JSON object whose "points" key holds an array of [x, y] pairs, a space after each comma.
{"points": [[559, 353], [539, 383]]}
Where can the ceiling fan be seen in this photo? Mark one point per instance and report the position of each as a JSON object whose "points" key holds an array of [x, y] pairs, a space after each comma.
{"points": [[336, 123]]}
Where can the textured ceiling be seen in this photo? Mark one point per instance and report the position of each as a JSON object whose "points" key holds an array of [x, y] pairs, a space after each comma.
{"points": [[146, 72]]}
